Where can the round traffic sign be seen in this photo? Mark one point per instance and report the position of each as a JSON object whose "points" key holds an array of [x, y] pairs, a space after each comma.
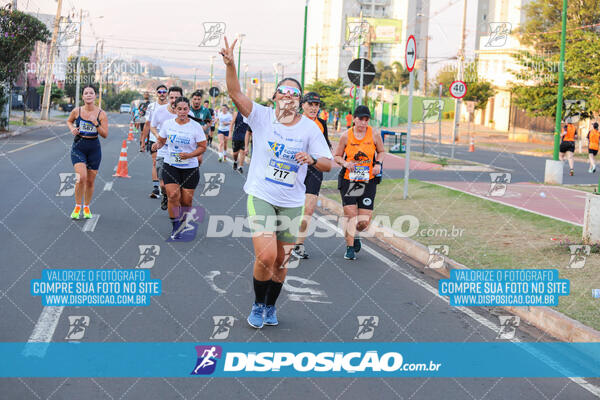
{"points": [[411, 53], [361, 67], [458, 89], [214, 91]]}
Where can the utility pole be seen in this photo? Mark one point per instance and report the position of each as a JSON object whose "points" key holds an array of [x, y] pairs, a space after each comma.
{"points": [[48, 82], [461, 59], [240, 55], [212, 60], [14, 7], [317, 62], [101, 73], [78, 85], [561, 82], [304, 44]]}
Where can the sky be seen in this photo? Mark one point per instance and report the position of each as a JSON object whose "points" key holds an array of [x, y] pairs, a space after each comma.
{"points": [[168, 32]]}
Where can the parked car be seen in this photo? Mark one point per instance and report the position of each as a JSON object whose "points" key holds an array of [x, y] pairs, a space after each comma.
{"points": [[125, 108], [67, 107]]}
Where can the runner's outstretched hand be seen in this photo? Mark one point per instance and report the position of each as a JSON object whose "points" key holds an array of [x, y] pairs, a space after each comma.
{"points": [[227, 52]]}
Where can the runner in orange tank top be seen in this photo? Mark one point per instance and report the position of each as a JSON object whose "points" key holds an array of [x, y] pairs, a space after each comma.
{"points": [[567, 145], [360, 152], [593, 139]]}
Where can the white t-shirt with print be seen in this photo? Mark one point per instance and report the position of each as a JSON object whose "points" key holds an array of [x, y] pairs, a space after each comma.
{"points": [[182, 139], [159, 116], [274, 174], [224, 117]]}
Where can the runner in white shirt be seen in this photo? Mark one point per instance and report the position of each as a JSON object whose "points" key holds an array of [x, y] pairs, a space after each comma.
{"points": [[186, 141], [284, 144], [225, 119], [160, 115], [147, 138]]}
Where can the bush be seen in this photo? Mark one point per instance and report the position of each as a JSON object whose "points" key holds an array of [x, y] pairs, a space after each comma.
{"points": [[448, 115]]}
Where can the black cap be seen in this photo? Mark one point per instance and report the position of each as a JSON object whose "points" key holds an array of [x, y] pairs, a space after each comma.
{"points": [[311, 97], [362, 111]]}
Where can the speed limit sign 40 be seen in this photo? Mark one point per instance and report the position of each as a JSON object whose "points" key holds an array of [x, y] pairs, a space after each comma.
{"points": [[458, 89]]}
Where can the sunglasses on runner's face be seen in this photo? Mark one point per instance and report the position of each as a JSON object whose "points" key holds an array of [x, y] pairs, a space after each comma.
{"points": [[161, 91], [292, 91]]}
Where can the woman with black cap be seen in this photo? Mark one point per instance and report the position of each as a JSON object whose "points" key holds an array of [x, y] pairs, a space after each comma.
{"points": [[311, 103], [285, 143], [360, 153]]}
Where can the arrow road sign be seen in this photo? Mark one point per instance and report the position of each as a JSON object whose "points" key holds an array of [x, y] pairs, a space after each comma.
{"points": [[361, 72], [214, 91], [411, 53]]}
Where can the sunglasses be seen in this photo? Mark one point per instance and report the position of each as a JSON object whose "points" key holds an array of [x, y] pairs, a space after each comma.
{"points": [[161, 91], [292, 91]]}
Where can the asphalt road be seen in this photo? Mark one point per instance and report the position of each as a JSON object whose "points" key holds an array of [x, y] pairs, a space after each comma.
{"points": [[212, 277]]}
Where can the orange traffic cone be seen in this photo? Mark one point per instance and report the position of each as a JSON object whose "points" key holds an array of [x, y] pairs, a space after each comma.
{"points": [[472, 145], [122, 165], [130, 136]]}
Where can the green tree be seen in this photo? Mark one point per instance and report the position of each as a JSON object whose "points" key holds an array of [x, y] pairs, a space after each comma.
{"points": [[111, 100], [536, 86], [332, 93], [392, 76], [86, 76], [56, 94], [18, 34]]}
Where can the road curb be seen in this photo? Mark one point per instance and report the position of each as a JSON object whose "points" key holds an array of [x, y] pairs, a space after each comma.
{"points": [[548, 320], [28, 129]]}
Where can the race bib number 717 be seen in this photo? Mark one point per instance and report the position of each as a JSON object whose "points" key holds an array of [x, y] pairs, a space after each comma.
{"points": [[281, 172]]}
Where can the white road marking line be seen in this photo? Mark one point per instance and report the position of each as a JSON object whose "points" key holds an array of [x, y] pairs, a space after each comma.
{"points": [[108, 186], [33, 144], [483, 321], [90, 224], [43, 331]]}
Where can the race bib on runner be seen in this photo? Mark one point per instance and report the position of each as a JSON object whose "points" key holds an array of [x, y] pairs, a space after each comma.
{"points": [[176, 160], [281, 172], [87, 129], [360, 173]]}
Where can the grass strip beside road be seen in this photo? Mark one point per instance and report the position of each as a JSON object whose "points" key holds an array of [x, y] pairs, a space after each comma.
{"points": [[485, 234]]}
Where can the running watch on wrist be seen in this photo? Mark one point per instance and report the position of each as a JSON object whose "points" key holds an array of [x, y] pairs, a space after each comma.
{"points": [[314, 160]]}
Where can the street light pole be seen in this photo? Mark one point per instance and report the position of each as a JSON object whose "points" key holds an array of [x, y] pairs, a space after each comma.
{"points": [[561, 81], [304, 44], [461, 60], [240, 55], [78, 85]]}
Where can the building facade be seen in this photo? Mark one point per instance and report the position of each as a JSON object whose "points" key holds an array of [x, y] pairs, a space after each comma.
{"points": [[332, 41]]}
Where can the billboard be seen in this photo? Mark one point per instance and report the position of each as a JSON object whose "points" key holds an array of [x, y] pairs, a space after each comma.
{"points": [[381, 30]]}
